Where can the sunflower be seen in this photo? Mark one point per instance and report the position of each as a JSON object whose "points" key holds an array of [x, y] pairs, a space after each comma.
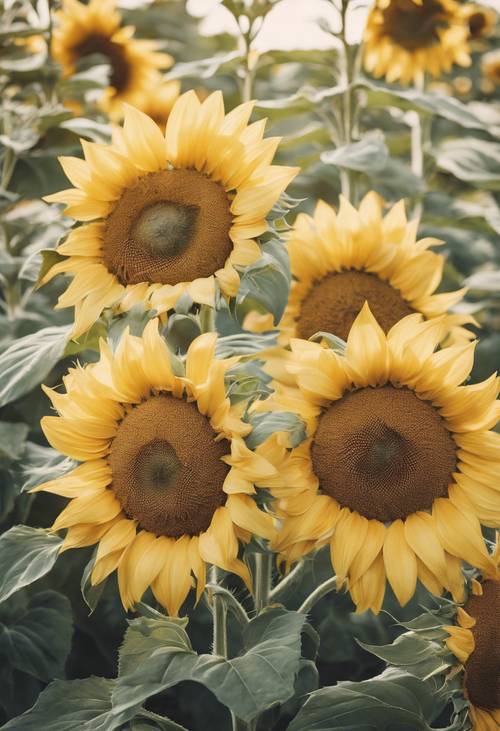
{"points": [[339, 261], [398, 471], [157, 103], [165, 479], [481, 20], [475, 641], [404, 39], [169, 214], [96, 28], [491, 68]]}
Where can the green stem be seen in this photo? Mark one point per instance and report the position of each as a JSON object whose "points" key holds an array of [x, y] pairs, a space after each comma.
{"points": [[280, 590], [325, 588], [219, 616], [9, 163], [262, 585], [418, 134], [346, 180], [231, 602]]}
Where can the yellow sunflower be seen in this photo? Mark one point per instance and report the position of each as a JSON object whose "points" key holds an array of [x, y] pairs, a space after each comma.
{"points": [[404, 39], [476, 644], [399, 469], [481, 20], [83, 30], [491, 69], [340, 260], [170, 214], [165, 479], [157, 103]]}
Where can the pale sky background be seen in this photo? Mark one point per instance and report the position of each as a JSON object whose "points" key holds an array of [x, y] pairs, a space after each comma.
{"points": [[290, 24]]}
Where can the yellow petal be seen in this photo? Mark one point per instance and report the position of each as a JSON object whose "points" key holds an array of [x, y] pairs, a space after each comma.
{"points": [[400, 563]]}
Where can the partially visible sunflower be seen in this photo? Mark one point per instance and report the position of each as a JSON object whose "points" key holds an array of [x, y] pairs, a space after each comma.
{"points": [[339, 261], [399, 469], [171, 214], [490, 66], [158, 102], [475, 641], [83, 30], [165, 480], [481, 20], [405, 39]]}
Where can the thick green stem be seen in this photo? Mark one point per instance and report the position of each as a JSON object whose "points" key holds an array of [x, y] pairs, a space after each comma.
{"points": [[262, 586], [418, 133], [219, 615], [346, 181], [280, 590], [9, 163], [231, 602], [325, 588]]}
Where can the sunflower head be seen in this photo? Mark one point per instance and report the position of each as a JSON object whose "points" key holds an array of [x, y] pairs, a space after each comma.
{"points": [[157, 103], [404, 39], [491, 68], [86, 30], [170, 214], [397, 473], [481, 20], [165, 477], [475, 640], [340, 260]]}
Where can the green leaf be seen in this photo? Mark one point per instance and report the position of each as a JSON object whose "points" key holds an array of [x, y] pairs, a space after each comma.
{"points": [[71, 705], [439, 104], [394, 701], [40, 464], [26, 554], [369, 155], [29, 360], [206, 67], [37, 640], [88, 128], [12, 439], [472, 160], [157, 654], [264, 286], [263, 425], [487, 281]]}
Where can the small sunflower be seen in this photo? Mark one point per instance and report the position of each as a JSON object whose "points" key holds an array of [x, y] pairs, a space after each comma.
{"points": [[339, 261], [481, 20], [83, 30], [490, 66], [475, 641], [169, 214], [399, 468], [165, 479], [404, 39]]}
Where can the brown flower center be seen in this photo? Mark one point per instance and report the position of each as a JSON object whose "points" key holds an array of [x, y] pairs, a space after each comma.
{"points": [[482, 669], [115, 54], [383, 452], [171, 226], [334, 302], [413, 25], [167, 468], [477, 24]]}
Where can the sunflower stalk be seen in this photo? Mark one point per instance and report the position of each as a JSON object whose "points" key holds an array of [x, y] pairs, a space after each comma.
{"points": [[346, 175], [262, 585], [219, 615], [280, 590], [322, 590], [419, 132]]}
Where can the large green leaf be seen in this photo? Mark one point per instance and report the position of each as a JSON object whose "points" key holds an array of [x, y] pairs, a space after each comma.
{"points": [[26, 554], [394, 701], [12, 439], [431, 103], [264, 286], [369, 155], [472, 160], [74, 705], [29, 360], [37, 639], [157, 654]]}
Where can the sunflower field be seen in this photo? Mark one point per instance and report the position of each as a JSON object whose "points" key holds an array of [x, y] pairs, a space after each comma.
{"points": [[249, 334]]}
